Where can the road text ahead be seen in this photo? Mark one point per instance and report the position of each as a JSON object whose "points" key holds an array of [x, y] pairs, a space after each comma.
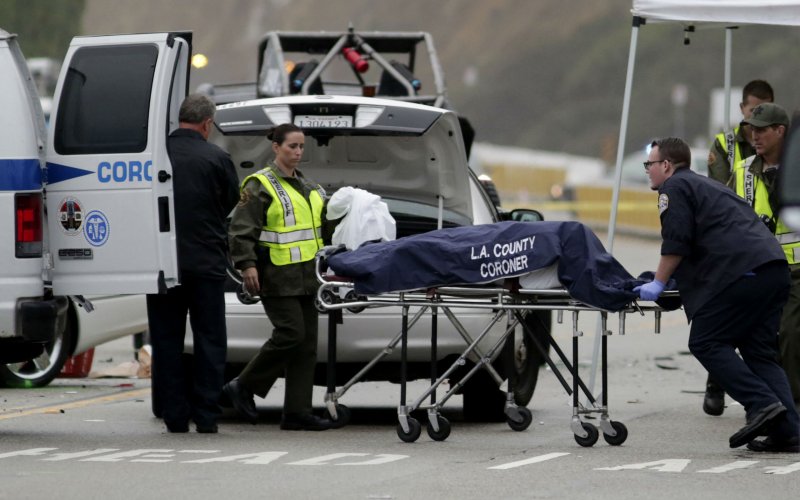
{"points": [[199, 456]]}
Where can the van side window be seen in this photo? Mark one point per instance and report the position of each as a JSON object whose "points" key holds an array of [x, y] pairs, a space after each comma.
{"points": [[105, 100]]}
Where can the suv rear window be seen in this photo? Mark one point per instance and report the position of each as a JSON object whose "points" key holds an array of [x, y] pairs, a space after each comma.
{"points": [[415, 218], [105, 100]]}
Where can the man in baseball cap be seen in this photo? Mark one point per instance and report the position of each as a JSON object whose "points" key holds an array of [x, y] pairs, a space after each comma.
{"points": [[755, 180], [766, 114]]}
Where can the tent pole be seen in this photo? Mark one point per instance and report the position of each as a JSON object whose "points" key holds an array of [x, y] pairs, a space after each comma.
{"points": [[623, 131], [612, 222], [728, 50]]}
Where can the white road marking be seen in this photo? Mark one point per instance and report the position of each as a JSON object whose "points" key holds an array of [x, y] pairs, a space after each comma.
{"points": [[56, 457], [741, 464], [155, 458], [380, 460], [787, 469], [324, 459], [248, 458], [266, 457], [527, 461], [27, 453], [118, 457], [669, 465]]}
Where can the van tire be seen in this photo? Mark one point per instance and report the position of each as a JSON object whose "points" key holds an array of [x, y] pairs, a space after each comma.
{"points": [[41, 370]]}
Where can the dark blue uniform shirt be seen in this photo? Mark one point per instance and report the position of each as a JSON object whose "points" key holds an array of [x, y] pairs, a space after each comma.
{"points": [[717, 233], [206, 190]]}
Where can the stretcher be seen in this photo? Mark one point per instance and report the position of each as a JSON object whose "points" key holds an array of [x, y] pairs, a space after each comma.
{"points": [[509, 302]]}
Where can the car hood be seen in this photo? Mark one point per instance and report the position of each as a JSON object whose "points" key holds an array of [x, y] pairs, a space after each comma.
{"points": [[391, 148]]}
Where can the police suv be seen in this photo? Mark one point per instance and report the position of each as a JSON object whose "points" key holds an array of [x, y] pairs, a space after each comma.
{"points": [[91, 197]]}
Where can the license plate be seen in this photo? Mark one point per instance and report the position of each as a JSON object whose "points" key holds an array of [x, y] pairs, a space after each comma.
{"points": [[323, 121]]}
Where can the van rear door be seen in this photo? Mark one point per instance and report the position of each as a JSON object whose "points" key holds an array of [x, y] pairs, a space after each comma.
{"points": [[21, 141], [109, 195]]}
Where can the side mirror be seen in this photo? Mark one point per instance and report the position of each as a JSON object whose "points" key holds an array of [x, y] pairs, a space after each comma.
{"points": [[523, 215]]}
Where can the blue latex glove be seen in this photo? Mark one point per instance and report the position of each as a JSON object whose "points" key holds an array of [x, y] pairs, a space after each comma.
{"points": [[650, 291]]}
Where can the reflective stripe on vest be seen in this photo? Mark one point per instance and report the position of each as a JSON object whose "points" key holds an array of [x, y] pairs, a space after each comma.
{"points": [[731, 147], [750, 187], [292, 229]]}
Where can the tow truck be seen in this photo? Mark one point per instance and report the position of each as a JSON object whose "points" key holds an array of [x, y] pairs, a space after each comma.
{"points": [[399, 65]]}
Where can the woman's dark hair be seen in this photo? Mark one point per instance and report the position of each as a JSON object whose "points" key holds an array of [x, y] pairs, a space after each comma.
{"points": [[278, 134]]}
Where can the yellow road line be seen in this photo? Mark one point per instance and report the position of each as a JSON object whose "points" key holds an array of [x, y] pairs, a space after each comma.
{"points": [[120, 396], [624, 206]]}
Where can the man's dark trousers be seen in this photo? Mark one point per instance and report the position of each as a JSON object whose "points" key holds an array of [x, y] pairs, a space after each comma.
{"points": [[746, 316], [181, 399]]}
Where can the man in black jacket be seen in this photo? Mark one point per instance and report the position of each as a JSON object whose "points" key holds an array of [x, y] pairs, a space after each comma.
{"points": [[734, 281], [206, 190]]}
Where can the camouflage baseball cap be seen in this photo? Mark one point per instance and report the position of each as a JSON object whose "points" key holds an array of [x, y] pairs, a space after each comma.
{"points": [[766, 114]]}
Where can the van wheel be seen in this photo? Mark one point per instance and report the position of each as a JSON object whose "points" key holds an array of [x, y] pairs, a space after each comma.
{"points": [[41, 370]]}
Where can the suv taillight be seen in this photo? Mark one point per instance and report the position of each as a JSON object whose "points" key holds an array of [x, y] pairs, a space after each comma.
{"points": [[28, 209]]}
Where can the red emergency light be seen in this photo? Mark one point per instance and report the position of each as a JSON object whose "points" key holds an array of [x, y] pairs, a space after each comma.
{"points": [[355, 59]]}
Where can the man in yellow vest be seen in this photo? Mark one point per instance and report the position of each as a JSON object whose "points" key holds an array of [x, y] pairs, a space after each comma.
{"points": [[733, 146], [755, 180], [728, 149]]}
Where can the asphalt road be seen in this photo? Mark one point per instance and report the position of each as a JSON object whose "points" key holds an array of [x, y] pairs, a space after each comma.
{"points": [[96, 438]]}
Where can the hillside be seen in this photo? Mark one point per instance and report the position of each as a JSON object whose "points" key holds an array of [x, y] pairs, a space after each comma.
{"points": [[550, 74]]}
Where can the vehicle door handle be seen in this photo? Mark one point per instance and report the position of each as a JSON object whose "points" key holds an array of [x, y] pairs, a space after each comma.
{"points": [[163, 176], [163, 214]]}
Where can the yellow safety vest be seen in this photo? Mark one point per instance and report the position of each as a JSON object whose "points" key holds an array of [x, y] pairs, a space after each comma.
{"points": [[728, 140], [293, 230], [754, 191]]}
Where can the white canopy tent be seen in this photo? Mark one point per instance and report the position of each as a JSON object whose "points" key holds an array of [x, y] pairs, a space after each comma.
{"points": [[727, 14]]}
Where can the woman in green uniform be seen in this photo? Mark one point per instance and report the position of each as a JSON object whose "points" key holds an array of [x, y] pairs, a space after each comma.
{"points": [[275, 233]]}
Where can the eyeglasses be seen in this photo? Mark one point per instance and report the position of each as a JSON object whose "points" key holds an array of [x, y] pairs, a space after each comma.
{"points": [[648, 163]]}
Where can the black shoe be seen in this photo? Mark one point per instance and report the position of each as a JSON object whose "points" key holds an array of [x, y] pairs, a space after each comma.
{"points": [[757, 425], [207, 428], [242, 400], [177, 427], [770, 445], [306, 422], [714, 400]]}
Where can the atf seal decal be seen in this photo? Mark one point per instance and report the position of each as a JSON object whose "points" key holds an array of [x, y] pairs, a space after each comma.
{"points": [[96, 228], [70, 215]]}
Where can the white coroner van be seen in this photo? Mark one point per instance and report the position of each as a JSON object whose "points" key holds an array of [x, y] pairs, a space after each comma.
{"points": [[83, 197]]}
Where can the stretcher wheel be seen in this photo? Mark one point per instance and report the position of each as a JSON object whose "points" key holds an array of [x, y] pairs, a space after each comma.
{"points": [[622, 434], [414, 430], [328, 297], [444, 429], [342, 417], [591, 438], [527, 418], [352, 297]]}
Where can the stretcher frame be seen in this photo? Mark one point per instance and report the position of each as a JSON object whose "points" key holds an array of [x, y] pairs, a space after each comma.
{"points": [[336, 293]]}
